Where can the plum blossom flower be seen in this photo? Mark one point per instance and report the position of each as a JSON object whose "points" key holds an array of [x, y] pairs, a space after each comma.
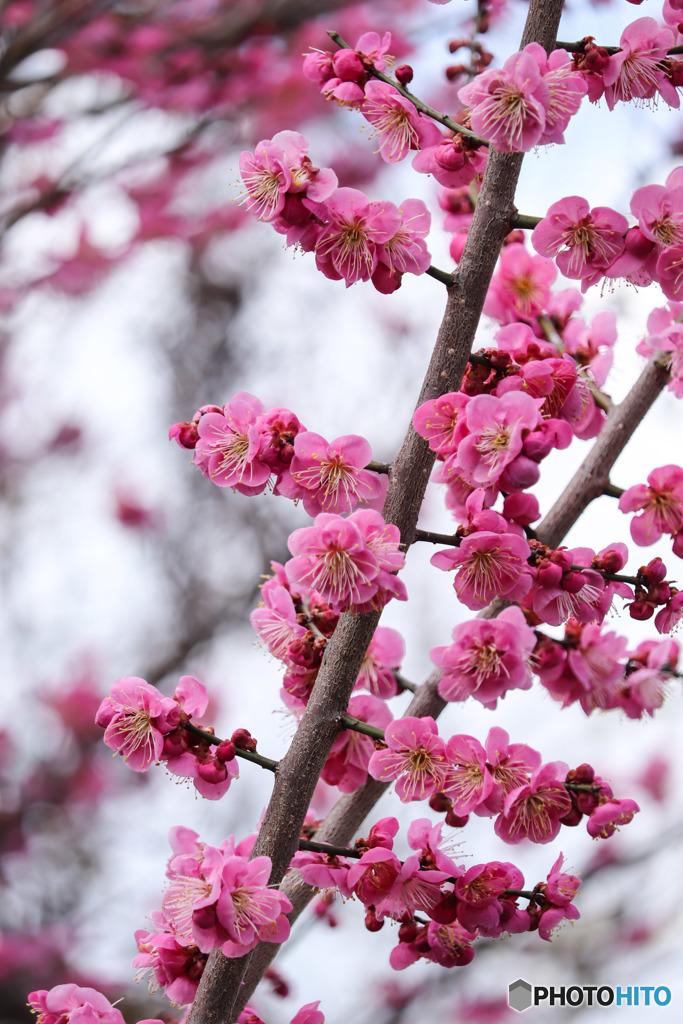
{"points": [[347, 245], [72, 1004], [384, 654], [635, 72], [567, 89], [468, 782], [481, 893], [510, 766], [247, 909], [508, 106], [665, 333], [231, 445], [279, 167], [414, 756], [441, 422], [488, 565], [589, 669], [348, 562], [486, 659], [136, 717], [332, 558], [496, 428], [396, 121], [661, 502], [330, 474], [414, 889], [175, 967], [373, 875], [608, 816], [559, 890], [276, 621], [520, 288], [406, 251], [347, 762], [454, 161], [534, 811], [309, 1014], [583, 241]]}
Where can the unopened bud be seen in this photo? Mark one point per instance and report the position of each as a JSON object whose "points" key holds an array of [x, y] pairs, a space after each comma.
{"points": [[243, 739], [404, 74]]}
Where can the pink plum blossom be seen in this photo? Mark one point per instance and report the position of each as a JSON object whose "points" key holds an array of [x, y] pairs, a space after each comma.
{"points": [[454, 161], [348, 562], [468, 782], [373, 875], [323, 870], [486, 659], [589, 669], [276, 620], [331, 475], [508, 106], [481, 893], [247, 909], [71, 1004], [495, 435], [583, 241], [406, 251], [397, 123], [414, 889], [347, 762], [136, 717], [384, 654], [608, 816], [176, 967], [665, 333], [635, 72], [415, 756], [510, 766], [347, 245], [567, 89], [661, 502], [281, 166], [309, 1014], [231, 446], [487, 565], [332, 558], [534, 811], [427, 839], [441, 422], [520, 288]]}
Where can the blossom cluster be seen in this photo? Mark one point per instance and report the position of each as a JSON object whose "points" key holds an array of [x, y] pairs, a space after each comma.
{"points": [[508, 781], [592, 666], [217, 898], [526, 103], [591, 244], [295, 620], [461, 903], [353, 238], [146, 727], [74, 1004], [244, 446], [641, 70]]}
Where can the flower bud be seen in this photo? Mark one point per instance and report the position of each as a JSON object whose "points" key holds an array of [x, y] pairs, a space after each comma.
{"points": [[243, 739], [404, 74], [225, 751]]}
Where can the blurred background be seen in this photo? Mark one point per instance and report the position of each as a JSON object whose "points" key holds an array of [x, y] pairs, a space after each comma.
{"points": [[135, 288]]}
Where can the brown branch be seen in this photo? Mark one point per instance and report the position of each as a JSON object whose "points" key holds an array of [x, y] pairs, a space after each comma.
{"points": [[224, 990]]}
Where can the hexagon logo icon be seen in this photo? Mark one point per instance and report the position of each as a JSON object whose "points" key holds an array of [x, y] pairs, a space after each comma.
{"points": [[519, 995]]}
